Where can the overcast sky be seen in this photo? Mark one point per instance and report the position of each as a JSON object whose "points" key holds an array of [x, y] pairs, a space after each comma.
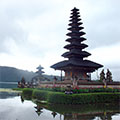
{"points": [[33, 32]]}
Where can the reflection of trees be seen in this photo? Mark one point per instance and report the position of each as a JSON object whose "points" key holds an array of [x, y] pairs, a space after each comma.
{"points": [[106, 116], [22, 99], [86, 112], [38, 110], [54, 114], [5, 95], [80, 112], [77, 116]]}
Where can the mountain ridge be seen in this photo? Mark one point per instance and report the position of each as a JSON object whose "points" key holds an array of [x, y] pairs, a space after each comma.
{"points": [[12, 74]]}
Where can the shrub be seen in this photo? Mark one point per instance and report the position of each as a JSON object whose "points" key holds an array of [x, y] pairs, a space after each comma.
{"points": [[84, 98], [40, 94], [59, 98], [27, 93], [81, 98], [95, 90], [80, 90]]}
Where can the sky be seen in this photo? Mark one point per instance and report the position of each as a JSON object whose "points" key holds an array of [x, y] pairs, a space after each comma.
{"points": [[33, 33]]}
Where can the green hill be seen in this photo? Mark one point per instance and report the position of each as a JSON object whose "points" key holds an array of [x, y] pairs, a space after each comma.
{"points": [[11, 74]]}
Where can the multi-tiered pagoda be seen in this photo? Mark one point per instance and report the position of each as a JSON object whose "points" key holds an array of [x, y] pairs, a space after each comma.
{"points": [[40, 72], [76, 66]]}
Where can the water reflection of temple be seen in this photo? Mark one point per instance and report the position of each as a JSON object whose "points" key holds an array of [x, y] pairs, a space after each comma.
{"points": [[76, 67], [90, 116], [81, 112], [38, 110], [54, 114]]}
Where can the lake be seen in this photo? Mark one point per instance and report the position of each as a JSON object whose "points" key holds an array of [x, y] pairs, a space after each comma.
{"points": [[14, 107], [8, 84]]}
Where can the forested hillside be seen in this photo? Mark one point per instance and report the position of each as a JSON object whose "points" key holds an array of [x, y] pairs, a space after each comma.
{"points": [[11, 74]]}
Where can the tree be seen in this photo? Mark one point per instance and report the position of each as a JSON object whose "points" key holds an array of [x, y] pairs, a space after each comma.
{"points": [[109, 76], [23, 80], [102, 76]]}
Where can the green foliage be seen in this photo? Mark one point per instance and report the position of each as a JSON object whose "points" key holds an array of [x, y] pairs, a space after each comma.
{"points": [[23, 80], [102, 76], [59, 98], [91, 90], [10, 74], [85, 98], [27, 93], [40, 94], [55, 89], [58, 89], [79, 90], [45, 89], [109, 76], [86, 108], [62, 98]]}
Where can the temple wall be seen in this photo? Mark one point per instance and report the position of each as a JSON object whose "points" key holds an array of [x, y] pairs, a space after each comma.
{"points": [[76, 74], [80, 85]]}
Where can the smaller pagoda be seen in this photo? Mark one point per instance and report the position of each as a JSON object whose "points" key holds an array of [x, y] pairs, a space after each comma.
{"points": [[39, 76], [76, 67], [40, 68]]}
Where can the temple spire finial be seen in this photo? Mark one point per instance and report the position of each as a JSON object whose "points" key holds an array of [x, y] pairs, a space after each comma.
{"points": [[75, 9]]}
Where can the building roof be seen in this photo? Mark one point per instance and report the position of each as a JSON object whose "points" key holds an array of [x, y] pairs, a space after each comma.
{"points": [[75, 33], [78, 39], [90, 66], [76, 45], [76, 54]]}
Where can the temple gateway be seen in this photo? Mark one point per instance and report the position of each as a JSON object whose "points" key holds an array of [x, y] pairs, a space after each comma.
{"points": [[76, 67]]}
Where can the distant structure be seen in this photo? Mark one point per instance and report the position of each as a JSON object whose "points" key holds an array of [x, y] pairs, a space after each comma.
{"points": [[76, 67], [39, 73], [39, 76], [39, 68]]}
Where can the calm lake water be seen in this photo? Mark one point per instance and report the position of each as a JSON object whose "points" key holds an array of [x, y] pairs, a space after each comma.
{"points": [[8, 84], [13, 107]]}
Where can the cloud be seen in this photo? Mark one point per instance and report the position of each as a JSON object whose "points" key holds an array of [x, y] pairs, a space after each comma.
{"points": [[30, 32], [108, 56], [101, 22], [31, 14], [33, 32], [107, 53]]}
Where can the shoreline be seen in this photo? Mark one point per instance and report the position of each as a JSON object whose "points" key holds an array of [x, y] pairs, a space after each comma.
{"points": [[10, 90]]}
